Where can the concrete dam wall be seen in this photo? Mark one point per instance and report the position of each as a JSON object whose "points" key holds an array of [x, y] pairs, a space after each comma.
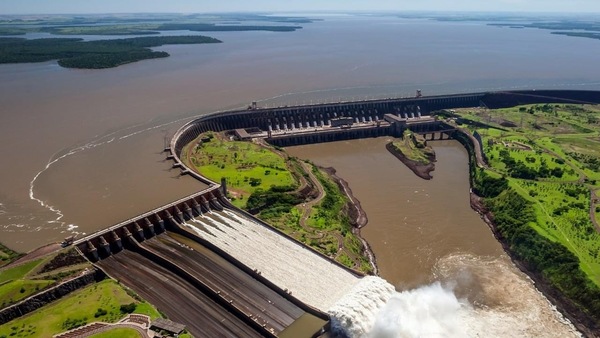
{"points": [[294, 125]]}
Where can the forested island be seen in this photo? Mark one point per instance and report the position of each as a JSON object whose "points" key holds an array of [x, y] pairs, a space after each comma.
{"points": [[536, 182], [151, 24], [76, 53]]}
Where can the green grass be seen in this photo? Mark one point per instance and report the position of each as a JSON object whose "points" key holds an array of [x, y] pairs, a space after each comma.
{"points": [[561, 136], [14, 291], [19, 271], [246, 166], [145, 308], [251, 170], [118, 333], [78, 307], [413, 147], [565, 219]]}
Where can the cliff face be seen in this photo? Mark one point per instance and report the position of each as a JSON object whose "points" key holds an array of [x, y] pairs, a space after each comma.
{"points": [[37, 301]]}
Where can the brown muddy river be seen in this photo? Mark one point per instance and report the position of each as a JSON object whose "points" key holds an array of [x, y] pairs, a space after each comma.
{"points": [[82, 149], [101, 132], [423, 232], [412, 222]]}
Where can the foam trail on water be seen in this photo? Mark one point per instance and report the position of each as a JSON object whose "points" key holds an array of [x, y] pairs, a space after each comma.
{"points": [[98, 141]]}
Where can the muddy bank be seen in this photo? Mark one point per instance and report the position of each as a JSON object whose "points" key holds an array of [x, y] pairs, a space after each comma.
{"points": [[358, 217], [421, 170]]}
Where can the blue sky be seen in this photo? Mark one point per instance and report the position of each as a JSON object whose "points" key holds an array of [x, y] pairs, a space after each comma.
{"points": [[199, 6]]}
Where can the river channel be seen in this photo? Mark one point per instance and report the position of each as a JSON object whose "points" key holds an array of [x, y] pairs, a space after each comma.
{"points": [[425, 232]]}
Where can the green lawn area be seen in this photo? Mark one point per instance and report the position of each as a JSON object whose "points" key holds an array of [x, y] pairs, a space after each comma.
{"points": [[265, 181], [18, 272], [26, 279], [118, 333], [14, 291], [413, 147], [246, 167], [97, 302], [6, 255], [564, 217], [551, 157]]}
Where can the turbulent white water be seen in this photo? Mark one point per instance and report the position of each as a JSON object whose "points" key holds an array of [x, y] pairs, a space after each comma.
{"points": [[474, 298], [471, 296]]}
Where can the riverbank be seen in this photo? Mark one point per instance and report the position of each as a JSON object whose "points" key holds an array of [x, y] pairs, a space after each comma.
{"points": [[358, 217], [586, 325], [583, 321]]}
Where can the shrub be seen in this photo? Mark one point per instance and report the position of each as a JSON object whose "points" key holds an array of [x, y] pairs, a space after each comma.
{"points": [[128, 308], [100, 312]]}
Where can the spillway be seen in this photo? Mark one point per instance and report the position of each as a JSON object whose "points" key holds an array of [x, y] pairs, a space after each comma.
{"points": [[308, 276], [251, 296], [175, 296]]}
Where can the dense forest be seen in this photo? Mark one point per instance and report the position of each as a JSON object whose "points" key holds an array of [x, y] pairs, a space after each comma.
{"points": [[76, 53]]}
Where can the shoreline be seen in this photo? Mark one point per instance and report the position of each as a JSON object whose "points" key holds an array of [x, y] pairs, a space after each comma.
{"points": [[584, 323], [358, 217], [421, 170], [580, 320]]}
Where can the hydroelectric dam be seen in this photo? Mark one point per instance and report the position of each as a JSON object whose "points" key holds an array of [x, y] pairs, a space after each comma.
{"points": [[224, 273]]}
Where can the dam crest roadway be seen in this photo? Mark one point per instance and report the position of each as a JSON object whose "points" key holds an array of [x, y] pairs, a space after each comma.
{"points": [[223, 272]]}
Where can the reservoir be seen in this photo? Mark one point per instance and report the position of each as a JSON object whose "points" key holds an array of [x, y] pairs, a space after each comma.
{"points": [[81, 149]]}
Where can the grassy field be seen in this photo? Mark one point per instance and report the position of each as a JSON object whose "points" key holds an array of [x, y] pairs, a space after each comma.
{"points": [[266, 182], [414, 147], [98, 302], [118, 333], [246, 166], [18, 283], [6, 255], [550, 155], [26, 279]]}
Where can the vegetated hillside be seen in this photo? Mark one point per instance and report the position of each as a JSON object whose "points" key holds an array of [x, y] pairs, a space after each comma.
{"points": [[76, 53], [299, 199], [541, 189]]}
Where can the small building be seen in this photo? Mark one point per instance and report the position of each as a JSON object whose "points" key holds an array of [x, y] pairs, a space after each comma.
{"points": [[165, 326]]}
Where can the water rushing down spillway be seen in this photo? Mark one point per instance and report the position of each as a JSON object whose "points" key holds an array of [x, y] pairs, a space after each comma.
{"points": [[371, 307], [311, 278]]}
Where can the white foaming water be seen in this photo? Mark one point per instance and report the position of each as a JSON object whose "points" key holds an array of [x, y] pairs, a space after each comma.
{"points": [[374, 309], [309, 277], [505, 304], [97, 142], [353, 315]]}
